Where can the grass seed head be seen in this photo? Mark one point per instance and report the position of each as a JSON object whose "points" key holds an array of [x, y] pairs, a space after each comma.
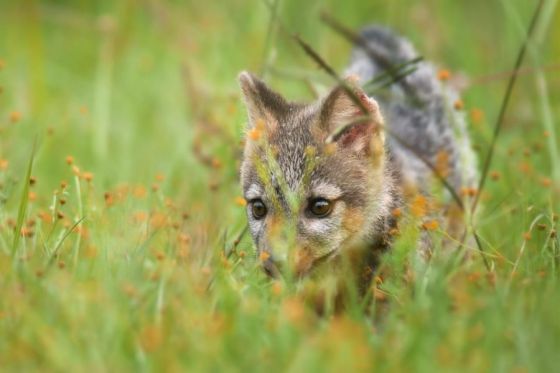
{"points": [[443, 75], [240, 201], [430, 225], [476, 115], [419, 206], [88, 176], [458, 105], [442, 163], [264, 256], [495, 175], [15, 116], [26, 232], [254, 134], [546, 182]]}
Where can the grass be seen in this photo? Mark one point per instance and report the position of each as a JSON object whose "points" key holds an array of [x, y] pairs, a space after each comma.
{"points": [[130, 253]]}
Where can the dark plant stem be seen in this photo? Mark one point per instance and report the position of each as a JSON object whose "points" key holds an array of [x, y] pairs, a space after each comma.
{"points": [[505, 103]]}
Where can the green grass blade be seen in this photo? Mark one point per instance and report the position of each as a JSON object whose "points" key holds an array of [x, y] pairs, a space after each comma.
{"points": [[24, 201]]}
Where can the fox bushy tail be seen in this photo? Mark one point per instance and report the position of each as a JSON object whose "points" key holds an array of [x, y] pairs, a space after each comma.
{"points": [[417, 107]]}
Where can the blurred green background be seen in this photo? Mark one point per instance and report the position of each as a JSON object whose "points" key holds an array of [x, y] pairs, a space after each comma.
{"points": [[136, 115]]}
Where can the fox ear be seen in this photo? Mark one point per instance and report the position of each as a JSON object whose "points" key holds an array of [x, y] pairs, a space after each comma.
{"points": [[340, 109], [263, 104]]}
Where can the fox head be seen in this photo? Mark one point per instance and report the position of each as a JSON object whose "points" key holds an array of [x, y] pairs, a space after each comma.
{"points": [[313, 175]]}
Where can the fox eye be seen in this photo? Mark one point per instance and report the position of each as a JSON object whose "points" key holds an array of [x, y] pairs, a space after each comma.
{"points": [[320, 207], [258, 209]]}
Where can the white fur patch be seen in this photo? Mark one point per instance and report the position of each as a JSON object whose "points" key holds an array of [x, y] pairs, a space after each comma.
{"points": [[326, 190], [254, 191]]}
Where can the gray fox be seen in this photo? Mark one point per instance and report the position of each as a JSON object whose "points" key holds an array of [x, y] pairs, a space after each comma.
{"points": [[318, 193]]}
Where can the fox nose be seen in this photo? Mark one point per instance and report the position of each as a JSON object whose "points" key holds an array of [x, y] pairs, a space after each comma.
{"points": [[272, 268], [276, 261], [282, 262]]}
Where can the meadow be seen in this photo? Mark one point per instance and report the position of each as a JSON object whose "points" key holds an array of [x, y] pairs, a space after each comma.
{"points": [[122, 244]]}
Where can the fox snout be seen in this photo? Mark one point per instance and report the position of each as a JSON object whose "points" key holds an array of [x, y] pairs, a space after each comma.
{"points": [[279, 251], [290, 254], [277, 263]]}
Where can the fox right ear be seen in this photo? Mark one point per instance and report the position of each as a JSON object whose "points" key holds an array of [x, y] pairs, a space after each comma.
{"points": [[263, 104], [345, 105]]}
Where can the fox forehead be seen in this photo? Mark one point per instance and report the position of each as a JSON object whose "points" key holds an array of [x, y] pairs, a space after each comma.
{"points": [[317, 188], [332, 177], [288, 141]]}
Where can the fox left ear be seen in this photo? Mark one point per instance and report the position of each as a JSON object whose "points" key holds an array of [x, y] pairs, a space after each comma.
{"points": [[353, 121], [263, 104]]}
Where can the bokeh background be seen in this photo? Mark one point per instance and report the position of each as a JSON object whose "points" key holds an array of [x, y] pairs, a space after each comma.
{"points": [[127, 255]]}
